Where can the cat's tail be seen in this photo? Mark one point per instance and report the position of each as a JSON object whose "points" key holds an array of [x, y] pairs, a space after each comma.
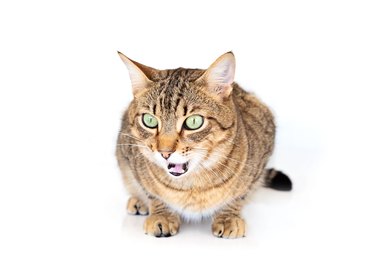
{"points": [[277, 180]]}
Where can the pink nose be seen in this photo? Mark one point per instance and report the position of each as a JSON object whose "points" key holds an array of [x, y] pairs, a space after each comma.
{"points": [[166, 155]]}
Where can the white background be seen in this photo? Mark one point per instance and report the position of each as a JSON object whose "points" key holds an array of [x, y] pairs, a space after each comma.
{"points": [[63, 90]]}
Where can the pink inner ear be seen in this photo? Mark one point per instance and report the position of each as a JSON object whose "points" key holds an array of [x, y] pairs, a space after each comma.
{"points": [[222, 74], [139, 73], [222, 90], [222, 70]]}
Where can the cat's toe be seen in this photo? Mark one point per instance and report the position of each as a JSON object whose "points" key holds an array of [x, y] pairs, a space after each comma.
{"points": [[229, 227], [136, 207], [162, 225], [218, 229]]}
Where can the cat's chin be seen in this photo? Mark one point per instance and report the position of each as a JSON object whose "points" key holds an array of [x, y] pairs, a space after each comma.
{"points": [[178, 169]]}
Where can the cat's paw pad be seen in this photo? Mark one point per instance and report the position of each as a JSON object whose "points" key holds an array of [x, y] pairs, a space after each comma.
{"points": [[162, 225], [229, 227], [136, 207]]}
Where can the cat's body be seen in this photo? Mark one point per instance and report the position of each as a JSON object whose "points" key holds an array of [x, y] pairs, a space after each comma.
{"points": [[193, 144]]}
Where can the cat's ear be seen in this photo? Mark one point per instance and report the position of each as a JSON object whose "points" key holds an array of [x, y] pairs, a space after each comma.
{"points": [[220, 75], [139, 74]]}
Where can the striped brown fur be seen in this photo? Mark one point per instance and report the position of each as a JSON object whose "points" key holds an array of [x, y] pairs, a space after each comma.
{"points": [[233, 147]]}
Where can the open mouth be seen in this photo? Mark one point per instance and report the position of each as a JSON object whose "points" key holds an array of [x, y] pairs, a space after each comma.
{"points": [[177, 169]]}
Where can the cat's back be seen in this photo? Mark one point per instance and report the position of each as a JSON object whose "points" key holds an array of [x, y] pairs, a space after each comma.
{"points": [[257, 118]]}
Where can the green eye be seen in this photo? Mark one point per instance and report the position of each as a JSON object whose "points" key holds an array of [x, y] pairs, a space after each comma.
{"points": [[149, 121], [193, 122]]}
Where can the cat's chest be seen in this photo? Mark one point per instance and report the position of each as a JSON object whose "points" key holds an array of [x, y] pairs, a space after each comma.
{"points": [[196, 204], [190, 200]]}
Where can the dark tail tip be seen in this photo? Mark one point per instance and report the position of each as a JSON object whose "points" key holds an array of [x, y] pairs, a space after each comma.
{"points": [[278, 180]]}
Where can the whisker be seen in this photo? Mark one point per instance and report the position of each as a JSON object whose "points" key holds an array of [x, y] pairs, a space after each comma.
{"points": [[222, 173], [131, 136], [201, 148], [204, 174], [232, 171], [221, 178], [207, 174], [211, 170], [132, 145], [218, 162], [218, 154], [223, 156]]}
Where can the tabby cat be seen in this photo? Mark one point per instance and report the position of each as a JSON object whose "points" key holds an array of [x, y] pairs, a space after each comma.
{"points": [[193, 144]]}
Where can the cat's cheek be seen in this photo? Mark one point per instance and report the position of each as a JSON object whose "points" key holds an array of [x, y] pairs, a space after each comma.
{"points": [[196, 162], [151, 156], [194, 166], [211, 160]]}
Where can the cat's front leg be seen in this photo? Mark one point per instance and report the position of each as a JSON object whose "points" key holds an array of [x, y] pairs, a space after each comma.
{"points": [[228, 223], [162, 222]]}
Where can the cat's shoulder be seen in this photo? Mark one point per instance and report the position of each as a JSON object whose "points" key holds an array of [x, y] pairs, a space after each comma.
{"points": [[243, 97], [249, 103]]}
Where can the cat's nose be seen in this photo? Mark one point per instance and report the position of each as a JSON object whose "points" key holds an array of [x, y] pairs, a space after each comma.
{"points": [[166, 155]]}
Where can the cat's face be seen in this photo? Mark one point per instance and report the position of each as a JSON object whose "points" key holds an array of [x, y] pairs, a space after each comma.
{"points": [[180, 118]]}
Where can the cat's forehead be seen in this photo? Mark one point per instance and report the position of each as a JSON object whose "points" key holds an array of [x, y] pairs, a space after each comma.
{"points": [[173, 90], [182, 74]]}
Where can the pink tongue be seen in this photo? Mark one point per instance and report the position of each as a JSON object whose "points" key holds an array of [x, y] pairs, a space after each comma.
{"points": [[177, 168]]}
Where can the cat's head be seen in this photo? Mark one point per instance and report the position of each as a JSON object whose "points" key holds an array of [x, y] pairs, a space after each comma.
{"points": [[182, 119]]}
